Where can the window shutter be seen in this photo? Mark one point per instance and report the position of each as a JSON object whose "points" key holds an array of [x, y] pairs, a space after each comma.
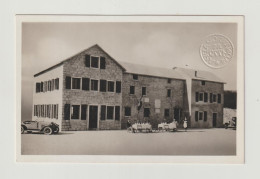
{"points": [[103, 85], [196, 115], [205, 116], [117, 113], [197, 96], [219, 98], [38, 86], [205, 97], [85, 84], [68, 82], [103, 112], [102, 63], [87, 60], [83, 112], [67, 112], [118, 86], [211, 98]]}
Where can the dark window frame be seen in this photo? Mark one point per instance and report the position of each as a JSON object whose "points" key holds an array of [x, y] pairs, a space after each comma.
{"points": [[112, 90], [107, 113], [98, 61], [135, 77], [201, 96], [203, 83], [201, 115], [72, 83], [132, 90], [169, 93], [72, 112], [166, 112], [169, 80], [128, 111], [144, 91], [147, 112], [92, 89]]}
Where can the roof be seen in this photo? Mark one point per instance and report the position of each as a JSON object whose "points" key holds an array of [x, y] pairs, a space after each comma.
{"points": [[60, 63], [151, 71], [201, 75]]}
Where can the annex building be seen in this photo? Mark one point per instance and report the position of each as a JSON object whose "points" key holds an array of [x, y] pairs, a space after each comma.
{"points": [[91, 90]]}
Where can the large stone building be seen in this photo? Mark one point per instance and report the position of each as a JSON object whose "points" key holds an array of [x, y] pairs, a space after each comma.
{"points": [[91, 90]]}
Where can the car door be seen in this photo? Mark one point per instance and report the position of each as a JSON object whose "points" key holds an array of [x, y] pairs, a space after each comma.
{"points": [[31, 125]]}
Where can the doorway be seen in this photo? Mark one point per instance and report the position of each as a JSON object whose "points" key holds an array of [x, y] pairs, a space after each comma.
{"points": [[93, 117], [214, 119]]}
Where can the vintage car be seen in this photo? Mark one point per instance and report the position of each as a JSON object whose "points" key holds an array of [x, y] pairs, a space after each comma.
{"points": [[40, 126], [232, 123]]}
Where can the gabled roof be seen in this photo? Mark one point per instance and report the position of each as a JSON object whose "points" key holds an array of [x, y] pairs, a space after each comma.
{"points": [[151, 71], [200, 75], [60, 63]]}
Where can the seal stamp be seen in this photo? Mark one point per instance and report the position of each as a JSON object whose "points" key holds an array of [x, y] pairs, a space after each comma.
{"points": [[216, 51]]}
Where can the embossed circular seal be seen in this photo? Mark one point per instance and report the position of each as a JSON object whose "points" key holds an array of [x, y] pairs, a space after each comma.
{"points": [[216, 51]]}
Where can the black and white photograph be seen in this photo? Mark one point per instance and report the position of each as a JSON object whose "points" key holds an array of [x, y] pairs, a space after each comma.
{"points": [[131, 86]]}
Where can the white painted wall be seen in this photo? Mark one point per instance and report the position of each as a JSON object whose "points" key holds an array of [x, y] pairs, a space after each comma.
{"points": [[49, 97]]}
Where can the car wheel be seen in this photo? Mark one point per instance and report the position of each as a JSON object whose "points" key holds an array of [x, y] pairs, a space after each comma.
{"points": [[47, 130], [56, 130], [22, 129]]}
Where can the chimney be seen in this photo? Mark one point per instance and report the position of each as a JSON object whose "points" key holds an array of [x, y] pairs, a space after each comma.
{"points": [[196, 73]]}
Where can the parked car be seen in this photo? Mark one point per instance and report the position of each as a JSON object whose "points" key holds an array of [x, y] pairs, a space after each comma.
{"points": [[232, 123], [40, 126]]}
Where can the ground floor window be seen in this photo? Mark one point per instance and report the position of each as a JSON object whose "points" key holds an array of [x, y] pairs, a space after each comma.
{"points": [[127, 111], [166, 112], [146, 112], [110, 112], [201, 115], [75, 111], [46, 111]]}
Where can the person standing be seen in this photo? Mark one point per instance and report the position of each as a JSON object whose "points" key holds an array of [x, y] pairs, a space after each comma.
{"points": [[129, 126], [185, 124]]}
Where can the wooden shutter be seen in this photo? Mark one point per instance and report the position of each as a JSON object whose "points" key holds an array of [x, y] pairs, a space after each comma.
{"points": [[102, 63], [211, 98], [205, 116], [219, 98], [118, 86], [68, 82], [67, 112], [85, 84], [103, 112], [197, 96], [87, 60], [117, 113], [103, 85], [205, 97], [196, 115], [83, 112]]}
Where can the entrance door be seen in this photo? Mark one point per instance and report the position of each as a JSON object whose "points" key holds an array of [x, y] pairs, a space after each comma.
{"points": [[214, 119], [93, 117], [177, 114]]}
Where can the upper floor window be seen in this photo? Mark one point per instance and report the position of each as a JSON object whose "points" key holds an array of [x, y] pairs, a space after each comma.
{"points": [[94, 85], [135, 77], [169, 92], [143, 91], [75, 83], [110, 86], [132, 89], [94, 61], [57, 83], [169, 80], [203, 83]]}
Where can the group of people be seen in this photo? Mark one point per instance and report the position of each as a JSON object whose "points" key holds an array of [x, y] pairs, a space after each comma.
{"points": [[129, 125]]}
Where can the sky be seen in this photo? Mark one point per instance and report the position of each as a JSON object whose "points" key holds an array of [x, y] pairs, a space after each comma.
{"points": [[162, 44]]}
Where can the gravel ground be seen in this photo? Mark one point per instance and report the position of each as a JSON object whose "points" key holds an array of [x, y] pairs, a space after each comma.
{"points": [[192, 142]]}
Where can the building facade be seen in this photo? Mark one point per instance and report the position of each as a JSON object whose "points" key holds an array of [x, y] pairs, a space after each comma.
{"points": [[91, 90]]}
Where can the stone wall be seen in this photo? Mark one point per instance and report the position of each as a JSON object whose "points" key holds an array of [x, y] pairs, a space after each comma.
{"points": [[209, 87], [75, 67], [156, 89]]}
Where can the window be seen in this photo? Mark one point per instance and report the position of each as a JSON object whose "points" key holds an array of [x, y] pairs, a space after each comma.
{"points": [[203, 83], [103, 86], [146, 112], [201, 97], [210, 97], [38, 87], [68, 83], [57, 83], [132, 89], [85, 84], [83, 112], [75, 83], [143, 91], [169, 80], [94, 62], [219, 98], [94, 85], [103, 112], [110, 86], [205, 116], [166, 112], [110, 112], [127, 111], [52, 84], [169, 92], [200, 115], [102, 63], [75, 111], [41, 86], [135, 77], [117, 113], [214, 98], [196, 115]]}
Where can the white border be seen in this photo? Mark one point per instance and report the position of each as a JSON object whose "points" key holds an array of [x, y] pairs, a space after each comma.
{"points": [[239, 158]]}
